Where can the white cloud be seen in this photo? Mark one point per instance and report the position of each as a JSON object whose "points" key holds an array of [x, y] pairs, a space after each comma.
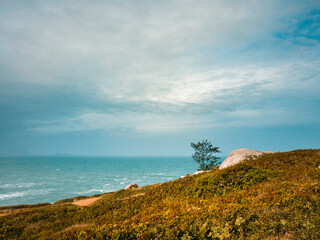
{"points": [[226, 97], [120, 43], [227, 85]]}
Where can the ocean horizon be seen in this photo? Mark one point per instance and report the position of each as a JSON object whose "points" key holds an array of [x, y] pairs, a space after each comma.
{"points": [[39, 179]]}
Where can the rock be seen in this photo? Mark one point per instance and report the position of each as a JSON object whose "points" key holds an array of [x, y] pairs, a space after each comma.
{"points": [[198, 172], [239, 155], [186, 175], [131, 186]]}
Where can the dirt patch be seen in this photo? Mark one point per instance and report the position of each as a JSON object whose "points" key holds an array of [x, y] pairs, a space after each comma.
{"points": [[85, 202]]}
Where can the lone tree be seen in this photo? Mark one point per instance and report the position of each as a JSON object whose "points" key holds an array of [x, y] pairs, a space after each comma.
{"points": [[204, 154]]}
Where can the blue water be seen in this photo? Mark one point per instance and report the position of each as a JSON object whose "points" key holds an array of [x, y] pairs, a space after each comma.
{"points": [[28, 180]]}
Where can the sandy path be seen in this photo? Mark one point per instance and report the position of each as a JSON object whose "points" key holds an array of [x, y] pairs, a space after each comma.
{"points": [[86, 202]]}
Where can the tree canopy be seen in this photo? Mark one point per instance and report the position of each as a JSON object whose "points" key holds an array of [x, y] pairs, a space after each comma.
{"points": [[204, 154]]}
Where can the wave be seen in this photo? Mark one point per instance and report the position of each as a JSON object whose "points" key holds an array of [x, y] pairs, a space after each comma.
{"points": [[157, 174], [120, 179], [19, 185], [11, 195], [95, 190]]}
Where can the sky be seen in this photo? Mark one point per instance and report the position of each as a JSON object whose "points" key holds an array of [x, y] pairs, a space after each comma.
{"points": [[150, 77]]}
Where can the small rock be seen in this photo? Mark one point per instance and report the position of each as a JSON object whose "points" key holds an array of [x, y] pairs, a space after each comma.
{"points": [[198, 172], [131, 186]]}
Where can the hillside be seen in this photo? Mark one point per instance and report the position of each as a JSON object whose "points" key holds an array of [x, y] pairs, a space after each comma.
{"points": [[276, 196]]}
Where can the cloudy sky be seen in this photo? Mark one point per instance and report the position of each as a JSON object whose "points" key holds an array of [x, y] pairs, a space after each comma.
{"points": [[150, 77]]}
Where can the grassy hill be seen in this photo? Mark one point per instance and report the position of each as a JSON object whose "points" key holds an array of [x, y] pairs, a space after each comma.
{"points": [[276, 196]]}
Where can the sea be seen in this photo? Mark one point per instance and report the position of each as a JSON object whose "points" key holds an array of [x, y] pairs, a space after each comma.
{"points": [[42, 179]]}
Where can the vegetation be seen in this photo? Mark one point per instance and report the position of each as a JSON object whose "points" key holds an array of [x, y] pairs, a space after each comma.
{"points": [[70, 200], [275, 196], [204, 154]]}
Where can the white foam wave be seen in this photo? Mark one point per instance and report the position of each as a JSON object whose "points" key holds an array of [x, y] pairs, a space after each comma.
{"points": [[157, 174], [95, 190], [11, 195], [19, 185]]}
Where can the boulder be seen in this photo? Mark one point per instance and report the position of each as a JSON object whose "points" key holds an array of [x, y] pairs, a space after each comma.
{"points": [[131, 186], [239, 155]]}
